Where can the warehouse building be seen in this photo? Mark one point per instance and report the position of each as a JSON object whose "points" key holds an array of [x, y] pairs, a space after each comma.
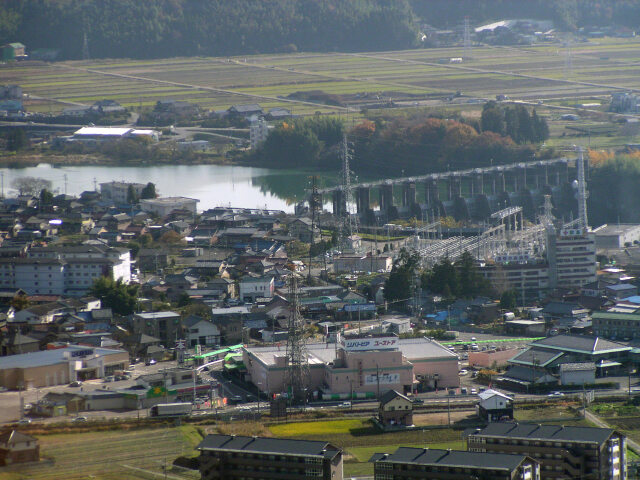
{"points": [[367, 366], [616, 236], [60, 366]]}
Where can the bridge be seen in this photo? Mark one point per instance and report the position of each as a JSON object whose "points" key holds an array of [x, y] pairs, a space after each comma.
{"points": [[463, 194]]}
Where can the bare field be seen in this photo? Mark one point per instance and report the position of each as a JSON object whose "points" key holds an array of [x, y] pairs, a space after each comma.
{"points": [[531, 72]]}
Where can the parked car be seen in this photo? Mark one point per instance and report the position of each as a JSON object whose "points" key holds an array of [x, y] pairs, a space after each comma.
{"points": [[150, 362], [463, 372], [79, 419], [24, 421], [417, 400], [345, 405], [109, 378], [556, 395], [464, 391], [474, 391], [77, 383]]}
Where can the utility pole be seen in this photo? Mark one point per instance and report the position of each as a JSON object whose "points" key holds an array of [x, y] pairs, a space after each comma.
{"points": [[378, 379]]}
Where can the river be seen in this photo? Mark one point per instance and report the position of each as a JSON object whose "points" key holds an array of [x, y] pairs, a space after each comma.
{"points": [[213, 185]]}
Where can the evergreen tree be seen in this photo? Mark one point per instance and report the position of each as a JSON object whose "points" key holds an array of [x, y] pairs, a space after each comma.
{"points": [[122, 299], [492, 118], [149, 191], [525, 126], [401, 279]]}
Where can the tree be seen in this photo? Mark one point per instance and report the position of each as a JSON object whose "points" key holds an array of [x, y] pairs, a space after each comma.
{"points": [[442, 278], [540, 127], [470, 282], [509, 300], [170, 237], [132, 196], [20, 302], [149, 191], [492, 118], [31, 185], [402, 277], [46, 197], [121, 298], [17, 139]]}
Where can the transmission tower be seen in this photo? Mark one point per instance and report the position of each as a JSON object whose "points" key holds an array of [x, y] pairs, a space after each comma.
{"points": [[85, 48], [315, 204], [297, 372], [467, 39], [349, 223], [581, 194]]}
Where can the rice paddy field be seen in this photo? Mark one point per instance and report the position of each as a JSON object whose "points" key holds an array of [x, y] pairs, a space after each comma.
{"points": [[530, 73], [111, 455]]}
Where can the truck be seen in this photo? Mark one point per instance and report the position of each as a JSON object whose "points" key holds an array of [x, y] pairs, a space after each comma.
{"points": [[171, 409], [508, 316]]}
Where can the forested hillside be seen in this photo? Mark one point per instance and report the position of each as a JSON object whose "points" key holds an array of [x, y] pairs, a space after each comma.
{"points": [[567, 14], [165, 28]]}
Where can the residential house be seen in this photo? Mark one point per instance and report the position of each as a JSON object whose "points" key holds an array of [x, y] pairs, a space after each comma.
{"points": [[245, 110], [199, 331], [494, 406], [166, 326], [15, 343], [17, 447], [395, 409], [230, 322], [304, 230]]}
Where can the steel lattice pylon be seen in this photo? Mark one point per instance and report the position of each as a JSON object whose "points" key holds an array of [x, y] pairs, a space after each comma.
{"points": [[297, 373]]}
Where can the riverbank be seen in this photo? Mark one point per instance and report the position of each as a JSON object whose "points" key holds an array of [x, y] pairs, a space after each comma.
{"points": [[32, 159]]}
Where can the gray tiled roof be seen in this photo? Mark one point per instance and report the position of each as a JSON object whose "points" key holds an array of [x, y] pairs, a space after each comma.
{"points": [[538, 355], [453, 458], [281, 446], [546, 432], [581, 343]]}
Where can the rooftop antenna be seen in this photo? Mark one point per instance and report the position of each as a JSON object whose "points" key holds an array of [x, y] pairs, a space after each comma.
{"points": [[467, 39]]}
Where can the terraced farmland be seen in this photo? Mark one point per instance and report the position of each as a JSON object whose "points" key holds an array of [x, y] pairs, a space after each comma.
{"points": [[528, 73]]}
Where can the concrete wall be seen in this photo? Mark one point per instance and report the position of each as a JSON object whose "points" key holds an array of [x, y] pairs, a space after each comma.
{"points": [[446, 369], [486, 359]]}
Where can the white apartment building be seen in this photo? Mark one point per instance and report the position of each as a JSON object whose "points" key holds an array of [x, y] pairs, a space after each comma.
{"points": [[258, 132], [571, 253], [255, 287], [118, 192], [64, 271]]}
